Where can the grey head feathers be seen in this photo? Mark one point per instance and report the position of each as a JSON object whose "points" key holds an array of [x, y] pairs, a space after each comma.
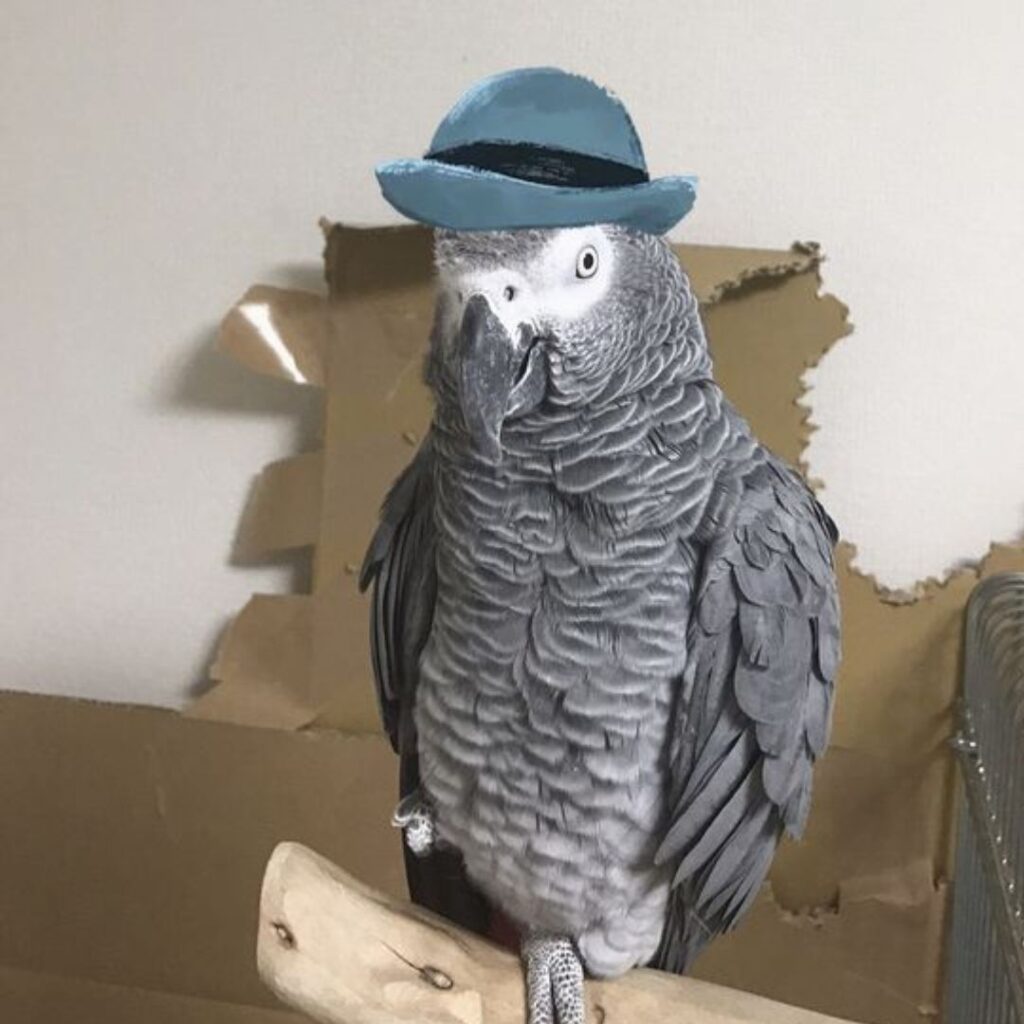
{"points": [[609, 304]]}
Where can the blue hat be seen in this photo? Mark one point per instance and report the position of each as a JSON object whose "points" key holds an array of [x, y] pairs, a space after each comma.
{"points": [[535, 147]]}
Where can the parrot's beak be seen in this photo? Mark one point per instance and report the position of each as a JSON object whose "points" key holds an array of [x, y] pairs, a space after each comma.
{"points": [[499, 376]]}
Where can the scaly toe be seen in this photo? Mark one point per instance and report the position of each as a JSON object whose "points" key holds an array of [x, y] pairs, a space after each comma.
{"points": [[554, 980], [415, 817]]}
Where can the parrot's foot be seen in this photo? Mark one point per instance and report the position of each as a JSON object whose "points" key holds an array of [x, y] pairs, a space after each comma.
{"points": [[554, 980], [415, 817]]}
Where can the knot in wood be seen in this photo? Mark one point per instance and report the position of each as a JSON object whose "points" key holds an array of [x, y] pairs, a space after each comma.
{"points": [[436, 977], [284, 934]]}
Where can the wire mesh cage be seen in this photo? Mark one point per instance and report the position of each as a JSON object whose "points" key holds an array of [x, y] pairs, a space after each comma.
{"points": [[985, 977]]}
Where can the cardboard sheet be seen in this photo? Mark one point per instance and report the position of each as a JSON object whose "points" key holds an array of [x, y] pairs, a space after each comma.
{"points": [[876, 951], [138, 839], [835, 932], [29, 998]]}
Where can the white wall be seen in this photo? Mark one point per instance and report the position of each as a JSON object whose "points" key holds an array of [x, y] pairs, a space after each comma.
{"points": [[159, 157]]}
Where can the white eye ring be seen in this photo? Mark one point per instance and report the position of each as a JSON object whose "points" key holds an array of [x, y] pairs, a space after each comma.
{"points": [[586, 262]]}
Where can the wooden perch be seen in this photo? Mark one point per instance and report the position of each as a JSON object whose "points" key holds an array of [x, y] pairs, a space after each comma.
{"points": [[344, 954]]}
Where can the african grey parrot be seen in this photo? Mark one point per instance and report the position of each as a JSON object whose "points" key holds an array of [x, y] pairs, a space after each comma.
{"points": [[605, 624]]}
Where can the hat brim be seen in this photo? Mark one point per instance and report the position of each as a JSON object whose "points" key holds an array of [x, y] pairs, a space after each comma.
{"points": [[470, 199]]}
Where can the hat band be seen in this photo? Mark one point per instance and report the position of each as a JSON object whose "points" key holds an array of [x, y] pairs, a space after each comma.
{"points": [[541, 164]]}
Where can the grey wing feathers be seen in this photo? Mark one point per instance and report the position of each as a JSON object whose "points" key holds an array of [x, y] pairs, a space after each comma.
{"points": [[755, 708], [400, 563]]}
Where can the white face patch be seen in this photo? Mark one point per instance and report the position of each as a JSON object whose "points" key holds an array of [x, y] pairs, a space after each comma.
{"points": [[563, 292], [570, 274]]}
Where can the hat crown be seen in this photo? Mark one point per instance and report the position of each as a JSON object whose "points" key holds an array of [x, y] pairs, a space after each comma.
{"points": [[543, 107]]}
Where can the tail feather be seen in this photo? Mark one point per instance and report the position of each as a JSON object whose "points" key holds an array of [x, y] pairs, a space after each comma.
{"points": [[683, 939]]}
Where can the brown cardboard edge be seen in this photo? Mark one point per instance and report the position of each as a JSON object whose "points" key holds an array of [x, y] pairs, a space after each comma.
{"points": [[260, 674], [745, 268], [283, 510], [1001, 556], [278, 332]]}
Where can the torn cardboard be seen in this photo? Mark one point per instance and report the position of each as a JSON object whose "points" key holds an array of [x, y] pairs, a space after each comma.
{"points": [[279, 333], [261, 668], [883, 796], [283, 510], [377, 317]]}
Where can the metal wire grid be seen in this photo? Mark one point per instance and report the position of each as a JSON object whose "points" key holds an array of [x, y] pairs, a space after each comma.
{"points": [[985, 978]]}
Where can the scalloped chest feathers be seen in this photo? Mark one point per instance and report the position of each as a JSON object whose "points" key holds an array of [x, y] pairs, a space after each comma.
{"points": [[545, 691]]}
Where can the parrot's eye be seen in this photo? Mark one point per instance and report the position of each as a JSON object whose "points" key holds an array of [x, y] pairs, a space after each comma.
{"points": [[586, 262]]}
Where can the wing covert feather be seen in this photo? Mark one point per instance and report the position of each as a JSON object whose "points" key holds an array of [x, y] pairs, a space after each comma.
{"points": [[755, 707]]}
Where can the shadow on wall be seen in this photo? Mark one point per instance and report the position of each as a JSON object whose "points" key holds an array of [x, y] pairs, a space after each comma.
{"points": [[205, 380]]}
